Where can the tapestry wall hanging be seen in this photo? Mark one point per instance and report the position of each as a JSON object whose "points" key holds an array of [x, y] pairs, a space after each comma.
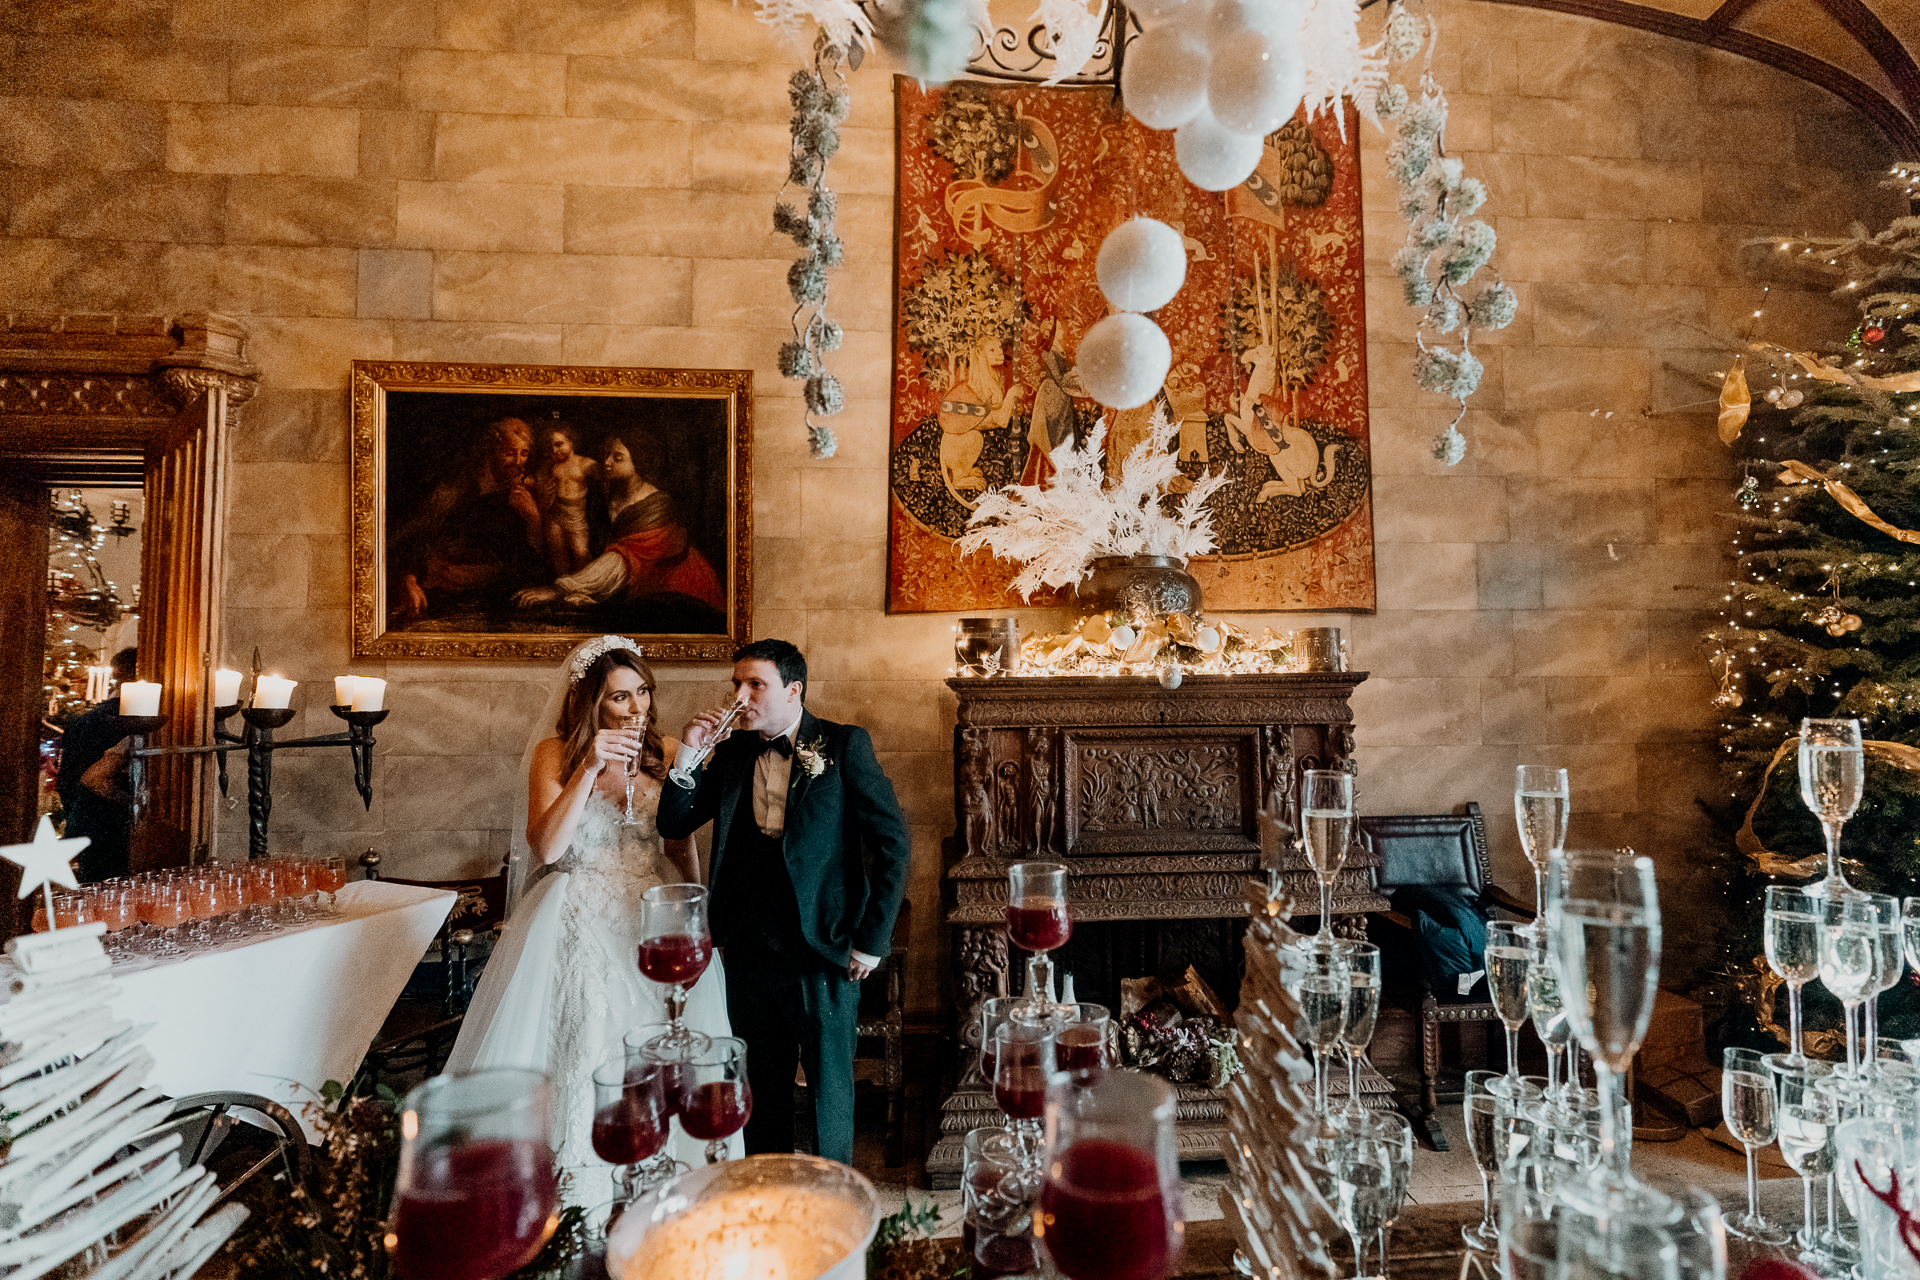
{"points": [[1005, 195]]}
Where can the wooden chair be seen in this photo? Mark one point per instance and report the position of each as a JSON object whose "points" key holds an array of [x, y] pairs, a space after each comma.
{"points": [[206, 1120], [1444, 850], [887, 1023]]}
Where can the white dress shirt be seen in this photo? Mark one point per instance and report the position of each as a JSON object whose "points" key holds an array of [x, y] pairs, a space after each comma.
{"points": [[772, 773]]}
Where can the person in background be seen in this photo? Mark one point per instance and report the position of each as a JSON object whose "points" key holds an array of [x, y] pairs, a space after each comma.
{"points": [[98, 806]]}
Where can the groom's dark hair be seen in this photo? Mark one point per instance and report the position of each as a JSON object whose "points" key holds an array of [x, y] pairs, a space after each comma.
{"points": [[786, 659]]}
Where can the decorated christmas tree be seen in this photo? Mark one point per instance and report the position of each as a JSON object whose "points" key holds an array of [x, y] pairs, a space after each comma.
{"points": [[1822, 617]]}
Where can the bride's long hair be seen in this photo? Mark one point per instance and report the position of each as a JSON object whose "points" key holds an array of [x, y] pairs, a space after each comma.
{"points": [[580, 714]]}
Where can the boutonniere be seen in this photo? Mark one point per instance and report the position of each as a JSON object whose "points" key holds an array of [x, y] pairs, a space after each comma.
{"points": [[811, 756]]}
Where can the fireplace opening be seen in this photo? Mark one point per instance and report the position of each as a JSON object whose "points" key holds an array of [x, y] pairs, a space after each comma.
{"points": [[1103, 952]]}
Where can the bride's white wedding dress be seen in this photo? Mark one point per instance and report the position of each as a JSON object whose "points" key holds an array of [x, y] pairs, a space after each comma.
{"points": [[563, 988]]}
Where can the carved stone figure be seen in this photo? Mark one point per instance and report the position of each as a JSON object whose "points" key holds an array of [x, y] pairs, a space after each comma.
{"points": [[1040, 795], [983, 975], [976, 796], [1006, 807]]}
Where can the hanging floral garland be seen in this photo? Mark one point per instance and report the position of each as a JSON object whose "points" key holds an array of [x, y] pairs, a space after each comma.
{"points": [[1445, 244]]}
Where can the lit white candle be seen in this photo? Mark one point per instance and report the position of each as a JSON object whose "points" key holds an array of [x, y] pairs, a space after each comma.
{"points": [[271, 693], [343, 687], [139, 698], [368, 693], [99, 683], [226, 687]]}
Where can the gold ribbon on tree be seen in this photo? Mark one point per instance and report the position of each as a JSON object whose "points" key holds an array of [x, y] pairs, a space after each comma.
{"points": [[1769, 863], [1735, 401], [1801, 473]]}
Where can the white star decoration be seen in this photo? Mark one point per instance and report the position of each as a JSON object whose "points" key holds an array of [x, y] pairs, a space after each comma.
{"points": [[45, 861]]}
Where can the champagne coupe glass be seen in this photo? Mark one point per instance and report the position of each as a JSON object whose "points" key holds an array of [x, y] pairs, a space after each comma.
{"points": [[1110, 1202], [1023, 1059], [1509, 956], [1038, 921], [996, 1189], [1541, 803], [685, 772], [1483, 1141], [1747, 1099], [1362, 1187], [1850, 958], [1808, 1116], [636, 725], [1550, 1020], [1395, 1135], [1793, 952], [1603, 922], [1363, 969], [630, 1116], [1326, 816], [476, 1196], [675, 949], [716, 1099], [1080, 1043], [1832, 775], [1324, 990]]}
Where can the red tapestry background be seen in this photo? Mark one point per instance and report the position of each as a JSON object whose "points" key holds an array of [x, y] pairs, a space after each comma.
{"points": [[1004, 197]]}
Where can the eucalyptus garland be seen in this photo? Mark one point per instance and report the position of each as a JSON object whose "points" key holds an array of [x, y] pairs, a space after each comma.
{"points": [[819, 105], [1445, 244]]}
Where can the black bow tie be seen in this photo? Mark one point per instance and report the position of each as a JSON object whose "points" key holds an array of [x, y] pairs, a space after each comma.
{"points": [[779, 744]]}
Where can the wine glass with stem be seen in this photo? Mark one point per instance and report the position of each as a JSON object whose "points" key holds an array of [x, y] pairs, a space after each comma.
{"points": [[1326, 820], [1892, 964], [1023, 1059], [716, 1100], [1541, 803], [1363, 985], [1323, 987], [676, 946], [1395, 1135], [630, 1117], [1808, 1116], [1362, 1173], [1603, 923], [1748, 1102], [635, 724], [1850, 960], [1832, 776], [1038, 921], [1110, 1200], [1793, 951], [1550, 1021], [1480, 1107], [476, 1195], [1509, 956]]}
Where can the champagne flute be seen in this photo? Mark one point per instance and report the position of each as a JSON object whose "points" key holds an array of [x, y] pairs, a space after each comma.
{"points": [[1541, 803], [1746, 1098], [716, 1099], [1892, 965], [1023, 1059], [1038, 921], [1808, 1116], [1362, 1188], [1323, 987], [675, 949], [685, 772], [1850, 960], [1833, 773], [476, 1196], [1110, 1203], [1363, 969], [1509, 956], [630, 1116], [1793, 952], [1326, 817], [1395, 1136], [635, 724], [1483, 1142], [1603, 922], [1550, 1020]]}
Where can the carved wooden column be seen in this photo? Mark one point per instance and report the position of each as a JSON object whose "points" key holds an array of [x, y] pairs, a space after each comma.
{"points": [[1149, 796]]}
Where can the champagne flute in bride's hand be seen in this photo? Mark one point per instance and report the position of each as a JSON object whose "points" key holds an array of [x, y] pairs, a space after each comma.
{"points": [[686, 766], [675, 949], [636, 725]]}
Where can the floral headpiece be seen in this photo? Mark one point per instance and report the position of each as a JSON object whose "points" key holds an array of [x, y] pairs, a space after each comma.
{"points": [[593, 650]]}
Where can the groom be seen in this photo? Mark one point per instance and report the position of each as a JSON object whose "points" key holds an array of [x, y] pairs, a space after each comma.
{"points": [[809, 860]]}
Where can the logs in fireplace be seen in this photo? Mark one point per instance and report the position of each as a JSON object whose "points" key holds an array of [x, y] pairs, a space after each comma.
{"points": [[1149, 795]]}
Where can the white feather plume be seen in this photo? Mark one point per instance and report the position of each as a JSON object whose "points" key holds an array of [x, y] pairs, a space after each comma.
{"points": [[1075, 32], [843, 20], [1337, 65]]}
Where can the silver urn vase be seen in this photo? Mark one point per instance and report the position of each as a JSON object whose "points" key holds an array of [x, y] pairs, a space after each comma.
{"points": [[1135, 585]]}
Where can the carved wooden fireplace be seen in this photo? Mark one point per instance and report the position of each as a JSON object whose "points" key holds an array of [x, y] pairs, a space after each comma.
{"points": [[1149, 795]]}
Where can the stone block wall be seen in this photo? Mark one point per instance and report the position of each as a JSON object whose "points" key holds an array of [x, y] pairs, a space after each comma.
{"points": [[581, 182]]}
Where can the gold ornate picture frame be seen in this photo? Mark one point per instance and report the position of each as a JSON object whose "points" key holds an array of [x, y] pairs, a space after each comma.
{"points": [[503, 512]]}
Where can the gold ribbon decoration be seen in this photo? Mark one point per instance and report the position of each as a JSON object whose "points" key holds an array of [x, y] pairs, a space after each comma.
{"points": [[1840, 377], [1735, 401], [1801, 473], [1761, 989], [1025, 205], [1766, 861]]}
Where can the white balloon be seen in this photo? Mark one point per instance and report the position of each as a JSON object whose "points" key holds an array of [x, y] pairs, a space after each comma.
{"points": [[1141, 265], [1164, 81], [1152, 13], [1228, 18], [1255, 84], [1213, 157], [1123, 360]]}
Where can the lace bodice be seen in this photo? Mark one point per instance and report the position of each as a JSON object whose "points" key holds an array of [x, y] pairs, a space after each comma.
{"points": [[603, 844]]}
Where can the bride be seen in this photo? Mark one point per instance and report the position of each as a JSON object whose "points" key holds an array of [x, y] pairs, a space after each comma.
{"points": [[563, 986]]}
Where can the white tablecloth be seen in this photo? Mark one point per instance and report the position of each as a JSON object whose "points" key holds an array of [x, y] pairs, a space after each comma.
{"points": [[282, 1014]]}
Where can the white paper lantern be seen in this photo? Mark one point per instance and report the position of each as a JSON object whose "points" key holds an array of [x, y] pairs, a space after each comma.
{"points": [[1254, 85], [1123, 360], [1213, 157], [1141, 265], [1164, 81]]}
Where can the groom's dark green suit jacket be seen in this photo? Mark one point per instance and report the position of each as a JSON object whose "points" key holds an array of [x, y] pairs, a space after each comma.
{"points": [[845, 842]]}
